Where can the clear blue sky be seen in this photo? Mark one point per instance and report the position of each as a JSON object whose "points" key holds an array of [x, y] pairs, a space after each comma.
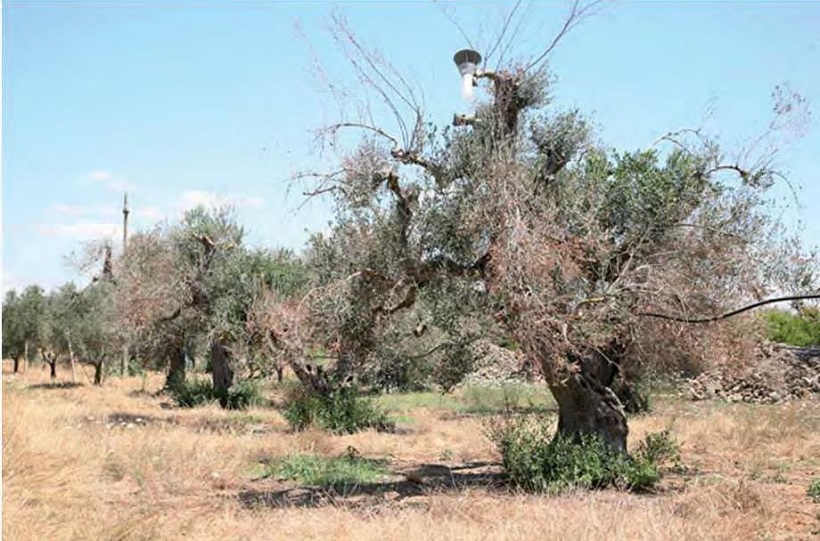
{"points": [[214, 102]]}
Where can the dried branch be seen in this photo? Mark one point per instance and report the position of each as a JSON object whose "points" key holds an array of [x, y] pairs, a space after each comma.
{"points": [[333, 128], [504, 28], [577, 15], [373, 71], [443, 6]]}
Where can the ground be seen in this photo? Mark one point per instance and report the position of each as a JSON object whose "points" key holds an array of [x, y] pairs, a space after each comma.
{"points": [[119, 463]]}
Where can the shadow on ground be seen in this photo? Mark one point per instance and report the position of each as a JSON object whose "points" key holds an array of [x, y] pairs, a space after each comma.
{"points": [[57, 385], [417, 480], [488, 411]]}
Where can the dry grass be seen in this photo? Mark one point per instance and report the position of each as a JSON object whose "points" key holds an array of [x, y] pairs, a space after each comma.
{"points": [[116, 464]]}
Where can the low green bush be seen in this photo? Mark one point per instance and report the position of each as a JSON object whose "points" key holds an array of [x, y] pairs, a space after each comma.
{"points": [[536, 461], [342, 411], [243, 395], [193, 392], [196, 392]]}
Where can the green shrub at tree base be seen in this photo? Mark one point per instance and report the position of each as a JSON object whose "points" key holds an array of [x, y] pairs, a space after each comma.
{"points": [[244, 395], [536, 461], [197, 392], [342, 411]]}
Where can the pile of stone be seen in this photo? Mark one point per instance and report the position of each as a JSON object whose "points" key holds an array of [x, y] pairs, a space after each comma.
{"points": [[494, 364], [778, 373]]}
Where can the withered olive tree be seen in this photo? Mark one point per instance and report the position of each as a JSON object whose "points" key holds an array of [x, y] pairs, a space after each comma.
{"points": [[518, 220]]}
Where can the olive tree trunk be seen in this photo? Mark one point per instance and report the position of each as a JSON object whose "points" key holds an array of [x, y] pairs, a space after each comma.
{"points": [[16, 364], [586, 407], [51, 360], [98, 371], [586, 403], [221, 371], [73, 363], [176, 369]]}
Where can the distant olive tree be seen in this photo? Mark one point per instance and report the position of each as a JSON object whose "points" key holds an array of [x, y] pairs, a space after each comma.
{"points": [[23, 321], [193, 283]]}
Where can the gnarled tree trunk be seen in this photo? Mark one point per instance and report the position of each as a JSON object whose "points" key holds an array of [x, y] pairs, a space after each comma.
{"points": [[587, 404], [586, 407], [221, 371]]}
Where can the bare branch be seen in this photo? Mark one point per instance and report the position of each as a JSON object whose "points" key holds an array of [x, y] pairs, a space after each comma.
{"points": [[508, 45], [443, 6], [577, 14], [373, 70], [333, 128], [504, 28]]}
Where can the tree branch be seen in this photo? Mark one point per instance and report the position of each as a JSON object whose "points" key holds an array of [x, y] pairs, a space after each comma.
{"points": [[576, 15]]}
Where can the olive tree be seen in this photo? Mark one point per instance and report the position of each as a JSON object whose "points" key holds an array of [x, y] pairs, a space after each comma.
{"points": [[518, 219], [81, 326], [23, 320], [193, 283]]}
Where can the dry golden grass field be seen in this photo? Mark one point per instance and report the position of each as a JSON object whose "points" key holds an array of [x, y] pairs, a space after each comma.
{"points": [[118, 463]]}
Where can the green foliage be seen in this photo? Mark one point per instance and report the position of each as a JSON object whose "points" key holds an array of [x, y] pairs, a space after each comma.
{"points": [[645, 197], [342, 411], [814, 490], [659, 448], [339, 473], [801, 329], [24, 320], [244, 395], [196, 392], [458, 363], [536, 461]]}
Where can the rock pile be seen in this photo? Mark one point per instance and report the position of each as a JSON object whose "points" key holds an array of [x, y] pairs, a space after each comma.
{"points": [[495, 364], [779, 373]]}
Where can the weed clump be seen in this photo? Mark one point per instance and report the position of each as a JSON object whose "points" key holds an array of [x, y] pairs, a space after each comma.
{"points": [[536, 461], [343, 411], [814, 490], [340, 473]]}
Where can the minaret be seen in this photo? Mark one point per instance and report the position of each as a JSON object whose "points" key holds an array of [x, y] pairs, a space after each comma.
{"points": [[124, 362]]}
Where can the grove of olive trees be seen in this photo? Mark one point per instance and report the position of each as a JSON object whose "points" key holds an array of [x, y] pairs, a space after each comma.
{"points": [[516, 224]]}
